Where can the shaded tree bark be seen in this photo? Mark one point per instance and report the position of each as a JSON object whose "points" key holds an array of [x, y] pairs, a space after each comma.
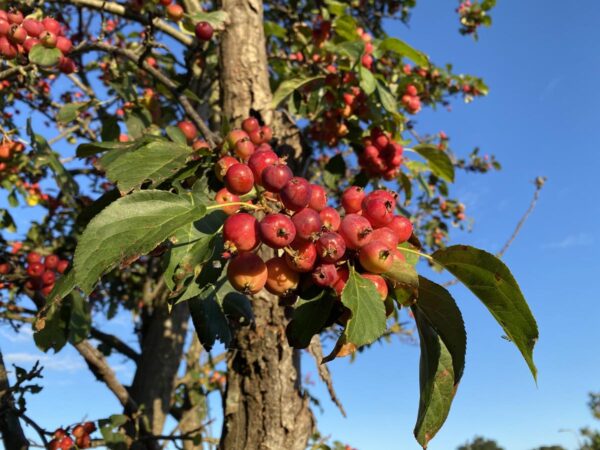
{"points": [[264, 404]]}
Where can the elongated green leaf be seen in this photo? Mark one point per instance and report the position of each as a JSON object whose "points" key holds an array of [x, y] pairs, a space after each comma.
{"points": [[367, 322], [93, 148], [80, 320], [436, 380], [216, 18], [209, 319], [69, 112], [153, 162], [345, 27], [387, 99], [439, 161], [368, 83], [491, 281], [287, 87], [52, 330], [439, 309], [128, 228], [403, 49], [44, 57], [403, 274], [310, 315]]}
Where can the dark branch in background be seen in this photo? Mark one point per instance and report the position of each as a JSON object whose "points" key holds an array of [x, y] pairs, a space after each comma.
{"points": [[539, 184], [210, 137], [120, 10], [10, 427], [115, 343], [316, 350]]}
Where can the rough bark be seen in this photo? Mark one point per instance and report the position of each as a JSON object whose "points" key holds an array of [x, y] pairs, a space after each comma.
{"points": [[162, 342], [10, 427], [264, 404]]}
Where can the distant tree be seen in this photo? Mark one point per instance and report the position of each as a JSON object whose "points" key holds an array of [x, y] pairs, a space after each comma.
{"points": [[480, 443], [591, 438], [551, 447]]}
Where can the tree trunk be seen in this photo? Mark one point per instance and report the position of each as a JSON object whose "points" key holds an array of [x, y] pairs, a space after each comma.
{"points": [[264, 404], [10, 427], [162, 348]]}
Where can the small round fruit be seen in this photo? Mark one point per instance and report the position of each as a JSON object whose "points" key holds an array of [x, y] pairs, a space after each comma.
{"points": [[35, 269], [247, 273], [281, 279], [175, 12], [48, 278], [296, 194], [356, 231], [250, 125], [189, 130], [223, 165], [277, 230], [64, 44], [244, 148], [352, 199], [402, 227], [239, 179], [380, 193], [34, 257], [304, 256], [380, 284], [331, 219], [308, 224], [385, 235], [62, 266], [325, 275], [275, 177], [331, 247], [240, 232], [318, 198], [223, 197], [379, 212], [51, 262], [204, 31], [376, 257], [259, 161], [343, 275]]}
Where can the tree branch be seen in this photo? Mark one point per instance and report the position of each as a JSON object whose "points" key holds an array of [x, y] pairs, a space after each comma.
{"points": [[115, 343], [210, 137], [10, 427], [316, 350], [120, 10]]}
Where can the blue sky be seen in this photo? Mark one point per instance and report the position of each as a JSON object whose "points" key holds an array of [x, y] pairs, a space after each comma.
{"points": [[542, 65]]}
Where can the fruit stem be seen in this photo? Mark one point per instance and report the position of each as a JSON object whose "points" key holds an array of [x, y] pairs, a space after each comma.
{"points": [[224, 205], [415, 252]]}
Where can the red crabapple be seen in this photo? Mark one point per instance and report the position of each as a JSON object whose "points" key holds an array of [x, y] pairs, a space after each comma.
{"points": [[331, 247], [308, 224], [277, 230], [240, 231], [296, 194], [239, 179], [281, 279], [331, 219], [356, 231], [247, 273], [376, 257]]}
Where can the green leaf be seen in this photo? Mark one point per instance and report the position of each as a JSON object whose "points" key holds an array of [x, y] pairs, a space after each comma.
{"points": [[436, 380], [387, 99], [491, 281], [368, 83], [367, 322], [128, 228], [287, 87], [68, 112], [439, 161], [345, 27], [155, 162], [311, 311], [335, 171], [403, 274], [176, 135], [237, 308], [274, 29], [80, 320], [209, 319], [51, 330], [440, 311], [44, 57], [93, 148], [403, 49]]}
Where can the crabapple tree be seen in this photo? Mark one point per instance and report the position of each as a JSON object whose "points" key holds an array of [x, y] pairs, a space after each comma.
{"points": [[244, 171]]}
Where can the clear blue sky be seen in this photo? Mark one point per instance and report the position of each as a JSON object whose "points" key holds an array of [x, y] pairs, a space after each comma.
{"points": [[542, 64]]}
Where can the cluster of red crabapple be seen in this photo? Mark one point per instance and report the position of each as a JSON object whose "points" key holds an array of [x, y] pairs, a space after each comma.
{"points": [[18, 35], [312, 241], [381, 156], [41, 271], [203, 30], [62, 441]]}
